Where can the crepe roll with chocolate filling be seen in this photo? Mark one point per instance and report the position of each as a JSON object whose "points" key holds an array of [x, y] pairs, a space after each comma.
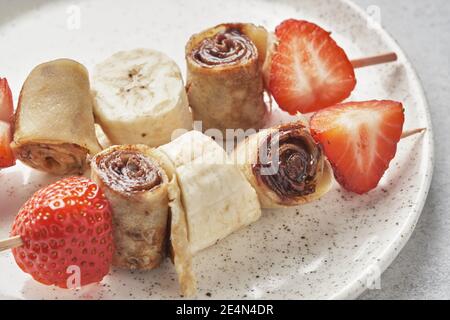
{"points": [[216, 197], [54, 121], [225, 82], [285, 166], [141, 186], [137, 187]]}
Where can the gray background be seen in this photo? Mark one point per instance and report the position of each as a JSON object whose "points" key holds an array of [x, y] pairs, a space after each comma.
{"points": [[422, 28]]}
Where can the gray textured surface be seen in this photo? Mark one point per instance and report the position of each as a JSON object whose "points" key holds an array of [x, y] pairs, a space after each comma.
{"points": [[422, 27]]}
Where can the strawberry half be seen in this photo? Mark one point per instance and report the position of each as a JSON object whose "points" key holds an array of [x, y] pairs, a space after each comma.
{"points": [[6, 121], [309, 70], [360, 140], [64, 227], [7, 158], [6, 102]]}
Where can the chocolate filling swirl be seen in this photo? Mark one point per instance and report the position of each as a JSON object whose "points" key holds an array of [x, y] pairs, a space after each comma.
{"points": [[225, 48], [129, 171], [295, 162]]}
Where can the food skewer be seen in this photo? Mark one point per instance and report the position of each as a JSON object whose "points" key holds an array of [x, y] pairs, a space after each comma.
{"points": [[15, 242], [303, 68]]}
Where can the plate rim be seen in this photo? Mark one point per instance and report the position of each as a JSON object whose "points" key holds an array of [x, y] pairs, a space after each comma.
{"points": [[354, 289]]}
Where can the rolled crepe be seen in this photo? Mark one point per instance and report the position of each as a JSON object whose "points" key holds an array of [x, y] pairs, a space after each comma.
{"points": [[224, 76], [216, 197], [54, 121], [140, 98], [136, 185], [141, 186], [285, 166]]}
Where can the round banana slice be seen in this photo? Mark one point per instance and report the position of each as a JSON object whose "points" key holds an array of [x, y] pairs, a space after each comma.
{"points": [[140, 98]]}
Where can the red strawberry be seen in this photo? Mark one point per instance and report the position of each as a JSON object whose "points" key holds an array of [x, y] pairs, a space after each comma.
{"points": [[65, 225], [360, 140], [6, 102], [7, 158], [6, 119], [309, 70]]}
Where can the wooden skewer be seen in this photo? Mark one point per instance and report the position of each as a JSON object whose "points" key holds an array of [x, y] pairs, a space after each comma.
{"points": [[411, 133], [10, 243], [371, 61]]}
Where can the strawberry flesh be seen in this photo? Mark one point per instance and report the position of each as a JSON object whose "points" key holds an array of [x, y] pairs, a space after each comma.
{"points": [[309, 71], [360, 140], [7, 158]]}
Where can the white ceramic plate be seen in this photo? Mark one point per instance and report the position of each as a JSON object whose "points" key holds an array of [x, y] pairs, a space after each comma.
{"points": [[334, 248]]}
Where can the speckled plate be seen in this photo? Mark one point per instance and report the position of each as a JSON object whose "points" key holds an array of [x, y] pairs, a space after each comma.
{"points": [[331, 249]]}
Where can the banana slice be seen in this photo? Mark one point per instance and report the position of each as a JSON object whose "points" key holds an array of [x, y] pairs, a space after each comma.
{"points": [[217, 198], [140, 98]]}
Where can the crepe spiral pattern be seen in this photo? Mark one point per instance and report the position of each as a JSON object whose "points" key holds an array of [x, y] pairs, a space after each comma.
{"points": [[129, 171], [285, 166], [300, 162], [228, 47]]}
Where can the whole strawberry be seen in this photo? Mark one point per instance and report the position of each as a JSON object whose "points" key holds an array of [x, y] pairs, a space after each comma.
{"points": [[65, 227]]}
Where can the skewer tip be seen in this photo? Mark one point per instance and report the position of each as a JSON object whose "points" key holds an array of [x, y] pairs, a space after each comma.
{"points": [[10, 243], [414, 132]]}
